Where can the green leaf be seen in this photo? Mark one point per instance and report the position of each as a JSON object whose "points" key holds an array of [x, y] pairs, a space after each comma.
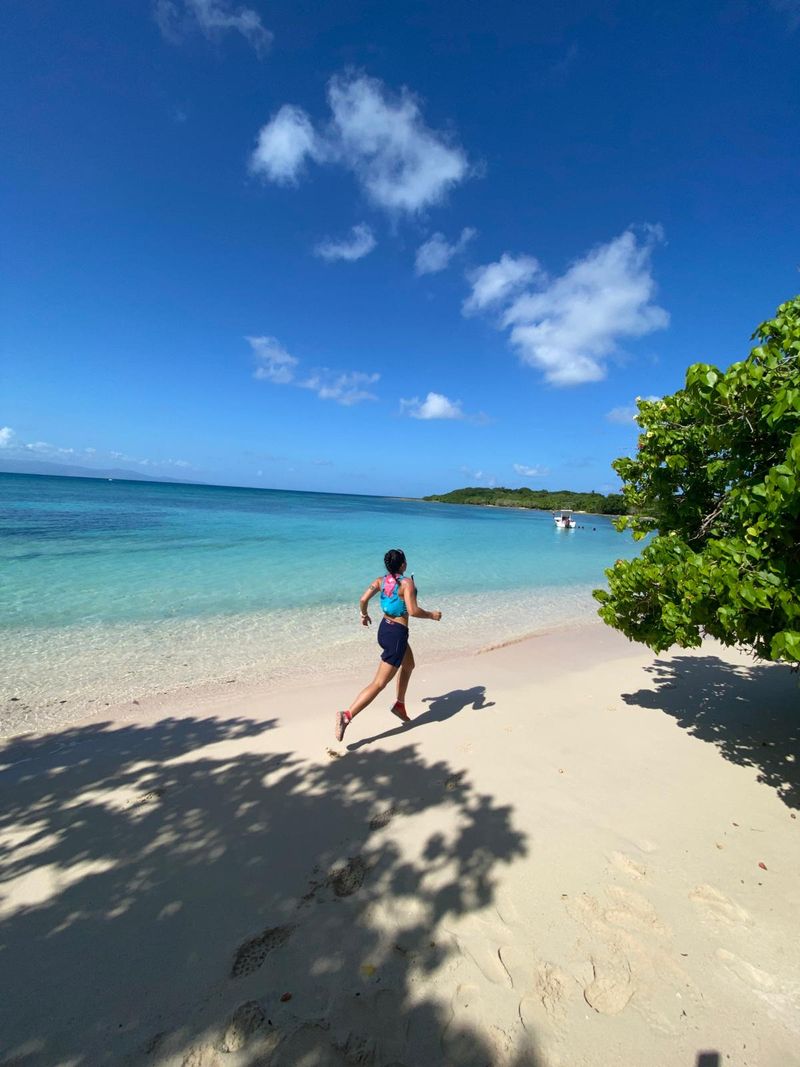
{"points": [[718, 466]]}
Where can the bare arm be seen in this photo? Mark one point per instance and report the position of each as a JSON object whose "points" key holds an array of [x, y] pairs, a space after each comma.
{"points": [[366, 596], [409, 592]]}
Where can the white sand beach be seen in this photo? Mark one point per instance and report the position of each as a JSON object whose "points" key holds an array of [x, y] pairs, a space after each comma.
{"points": [[578, 854]]}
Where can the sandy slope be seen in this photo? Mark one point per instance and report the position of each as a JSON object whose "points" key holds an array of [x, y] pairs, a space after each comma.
{"points": [[558, 863]]}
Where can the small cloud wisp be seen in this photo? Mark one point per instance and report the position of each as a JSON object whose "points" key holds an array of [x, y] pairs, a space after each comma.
{"points": [[435, 254], [276, 365], [177, 18], [358, 244]]}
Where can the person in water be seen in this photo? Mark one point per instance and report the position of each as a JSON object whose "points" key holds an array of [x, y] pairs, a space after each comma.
{"points": [[398, 602]]}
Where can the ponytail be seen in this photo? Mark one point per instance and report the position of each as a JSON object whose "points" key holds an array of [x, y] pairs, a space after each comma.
{"points": [[394, 560]]}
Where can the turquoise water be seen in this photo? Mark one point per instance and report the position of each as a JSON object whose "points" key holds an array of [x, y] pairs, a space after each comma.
{"points": [[237, 579]]}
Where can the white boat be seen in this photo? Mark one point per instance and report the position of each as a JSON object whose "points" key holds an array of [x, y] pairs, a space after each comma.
{"points": [[564, 520]]}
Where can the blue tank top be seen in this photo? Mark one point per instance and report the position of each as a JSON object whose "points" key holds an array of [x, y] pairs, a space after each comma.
{"points": [[392, 603]]}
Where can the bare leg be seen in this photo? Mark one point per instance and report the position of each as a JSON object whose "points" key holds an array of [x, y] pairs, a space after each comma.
{"points": [[383, 676], [404, 674]]}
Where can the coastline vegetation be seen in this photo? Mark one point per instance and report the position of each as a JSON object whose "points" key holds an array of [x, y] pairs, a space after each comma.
{"points": [[538, 499], [719, 464]]}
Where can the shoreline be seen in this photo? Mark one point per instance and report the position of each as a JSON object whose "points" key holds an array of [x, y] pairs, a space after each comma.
{"points": [[144, 664], [187, 697], [576, 853]]}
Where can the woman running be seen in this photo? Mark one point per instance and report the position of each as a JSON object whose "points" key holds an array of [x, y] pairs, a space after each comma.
{"points": [[398, 601]]}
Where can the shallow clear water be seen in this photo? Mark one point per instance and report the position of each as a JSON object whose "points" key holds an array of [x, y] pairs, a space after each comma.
{"points": [[112, 589]]}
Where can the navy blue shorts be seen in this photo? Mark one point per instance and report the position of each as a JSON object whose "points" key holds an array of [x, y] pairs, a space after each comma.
{"points": [[393, 639]]}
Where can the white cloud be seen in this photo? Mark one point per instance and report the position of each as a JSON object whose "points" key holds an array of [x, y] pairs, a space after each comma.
{"points": [[176, 18], [531, 472], [621, 414], [359, 244], [276, 365], [497, 282], [478, 477], [434, 406], [627, 414], [81, 455], [274, 362], [346, 389], [283, 146], [571, 324], [401, 164], [435, 254]]}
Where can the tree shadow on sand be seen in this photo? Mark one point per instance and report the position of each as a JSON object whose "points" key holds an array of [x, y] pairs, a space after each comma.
{"points": [[440, 709], [186, 893], [749, 713]]}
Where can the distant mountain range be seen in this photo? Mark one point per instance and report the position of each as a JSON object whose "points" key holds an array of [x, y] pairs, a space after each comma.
{"points": [[8, 465]]}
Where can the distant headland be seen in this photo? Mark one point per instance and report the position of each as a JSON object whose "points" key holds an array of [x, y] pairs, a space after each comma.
{"points": [[538, 499]]}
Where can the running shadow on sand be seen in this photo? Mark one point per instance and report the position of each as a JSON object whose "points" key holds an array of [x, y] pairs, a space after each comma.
{"points": [[749, 713], [440, 709], [178, 891]]}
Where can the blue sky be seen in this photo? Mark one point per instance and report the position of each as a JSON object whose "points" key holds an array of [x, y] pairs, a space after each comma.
{"points": [[381, 248]]}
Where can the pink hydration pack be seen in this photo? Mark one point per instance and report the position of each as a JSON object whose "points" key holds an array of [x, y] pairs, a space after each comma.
{"points": [[391, 601]]}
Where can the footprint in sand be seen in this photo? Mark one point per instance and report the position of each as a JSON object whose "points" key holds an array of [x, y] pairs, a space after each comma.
{"points": [[612, 986], [348, 879], [627, 910], [715, 905], [632, 911], [383, 818], [544, 988], [483, 955], [630, 953], [148, 798], [245, 1021], [251, 954], [628, 866], [552, 987], [344, 880], [200, 1056], [519, 965]]}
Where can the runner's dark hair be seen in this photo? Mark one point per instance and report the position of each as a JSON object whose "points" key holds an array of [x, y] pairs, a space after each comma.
{"points": [[394, 560]]}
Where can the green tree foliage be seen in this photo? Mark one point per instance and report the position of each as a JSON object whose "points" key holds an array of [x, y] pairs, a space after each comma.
{"points": [[543, 499], [718, 471]]}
